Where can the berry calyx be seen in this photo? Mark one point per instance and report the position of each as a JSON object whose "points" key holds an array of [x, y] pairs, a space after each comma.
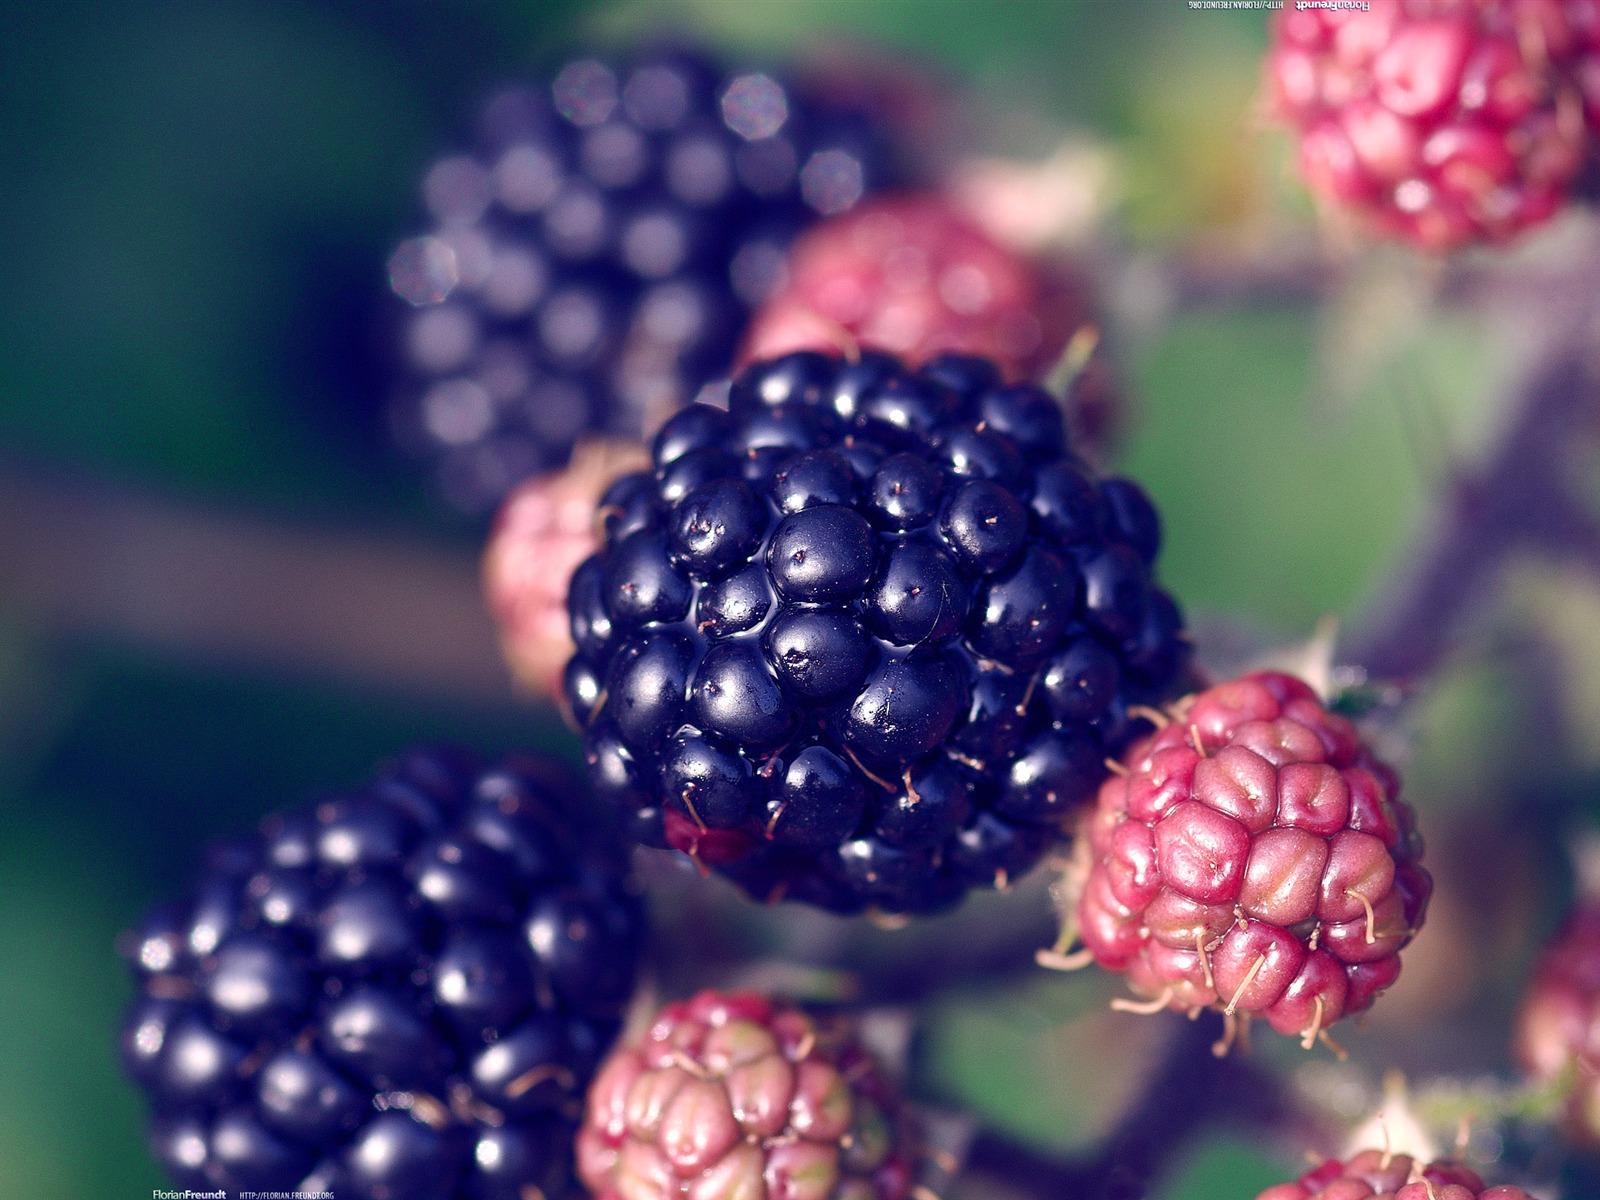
{"points": [[1253, 857], [735, 1095]]}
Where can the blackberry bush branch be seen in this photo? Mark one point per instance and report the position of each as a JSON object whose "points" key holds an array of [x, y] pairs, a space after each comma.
{"points": [[1190, 1092], [1515, 500]]}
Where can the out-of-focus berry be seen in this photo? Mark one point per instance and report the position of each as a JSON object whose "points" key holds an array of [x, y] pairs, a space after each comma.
{"points": [[1379, 1175], [595, 255], [545, 528], [1558, 1025], [1442, 122], [911, 275]]}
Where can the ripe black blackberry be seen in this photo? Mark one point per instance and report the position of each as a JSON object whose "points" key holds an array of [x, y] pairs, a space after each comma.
{"points": [[400, 993], [596, 256], [865, 638]]}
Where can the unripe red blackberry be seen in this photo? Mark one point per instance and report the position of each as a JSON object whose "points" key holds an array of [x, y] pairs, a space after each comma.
{"points": [[1442, 122], [1379, 1175], [1558, 1025], [545, 528], [1252, 856], [909, 273], [731, 1096], [912, 274]]}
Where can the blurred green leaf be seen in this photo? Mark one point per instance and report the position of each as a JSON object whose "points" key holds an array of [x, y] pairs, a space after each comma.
{"points": [[71, 1123], [1278, 508], [1227, 1168], [1046, 1060]]}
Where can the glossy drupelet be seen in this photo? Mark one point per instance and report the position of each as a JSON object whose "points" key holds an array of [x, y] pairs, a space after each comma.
{"points": [[731, 1096], [399, 993], [1442, 122], [596, 254], [866, 638], [1252, 856], [1379, 1175], [1558, 1023]]}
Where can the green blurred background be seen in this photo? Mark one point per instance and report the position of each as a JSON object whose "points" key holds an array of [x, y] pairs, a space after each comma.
{"points": [[219, 594]]}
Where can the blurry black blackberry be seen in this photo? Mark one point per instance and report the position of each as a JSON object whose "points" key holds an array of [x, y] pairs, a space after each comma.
{"points": [[400, 993], [596, 256], [868, 636]]}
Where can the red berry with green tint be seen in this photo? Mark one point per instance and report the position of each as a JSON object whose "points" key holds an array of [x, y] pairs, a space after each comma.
{"points": [[731, 1096], [1252, 856]]}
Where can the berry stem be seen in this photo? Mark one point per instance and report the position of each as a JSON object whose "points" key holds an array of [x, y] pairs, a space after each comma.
{"points": [[1515, 499], [1187, 1094]]}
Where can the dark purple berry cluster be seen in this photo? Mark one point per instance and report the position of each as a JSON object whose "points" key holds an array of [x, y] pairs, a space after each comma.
{"points": [[401, 992], [596, 256], [864, 637]]}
